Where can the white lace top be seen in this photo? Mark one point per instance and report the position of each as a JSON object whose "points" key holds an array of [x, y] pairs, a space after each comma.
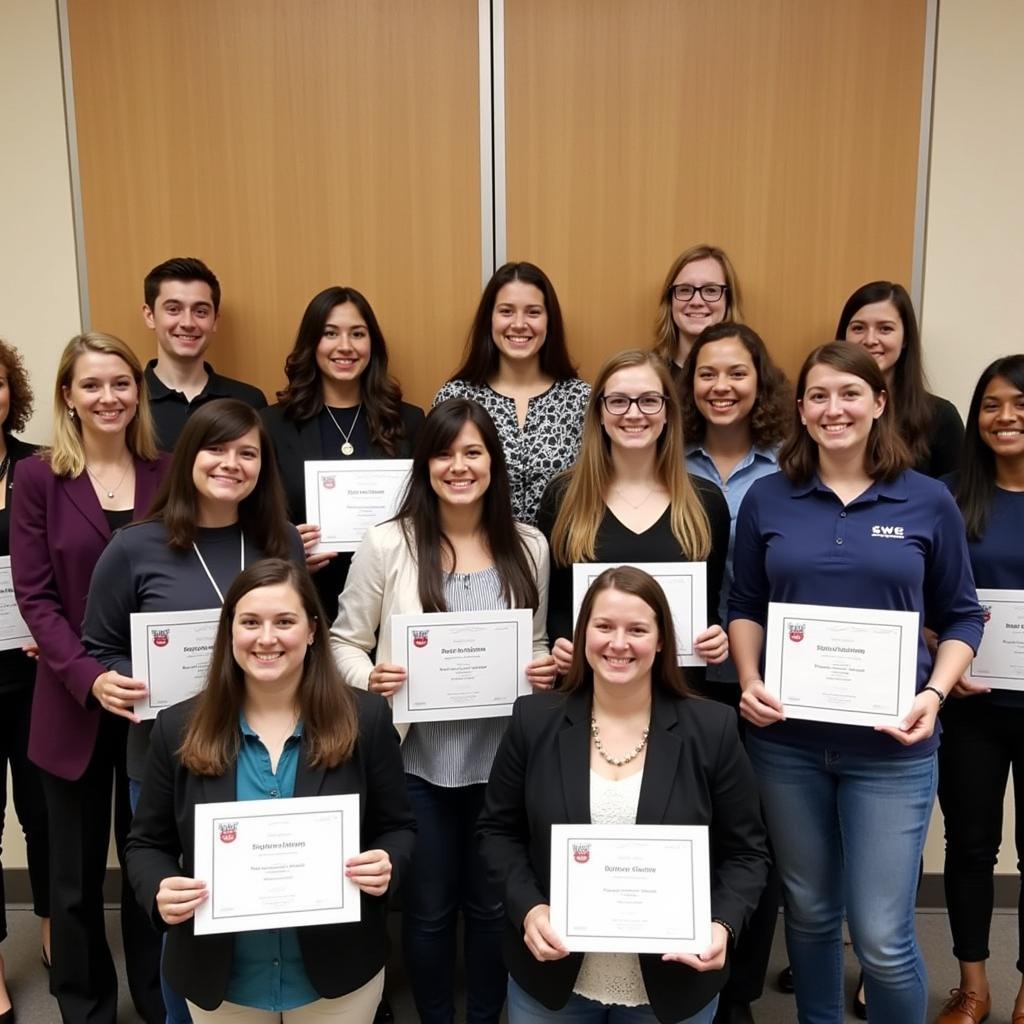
{"points": [[613, 977]]}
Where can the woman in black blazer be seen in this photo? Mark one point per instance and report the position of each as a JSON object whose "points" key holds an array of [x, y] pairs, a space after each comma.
{"points": [[569, 757], [276, 714], [340, 403], [17, 676]]}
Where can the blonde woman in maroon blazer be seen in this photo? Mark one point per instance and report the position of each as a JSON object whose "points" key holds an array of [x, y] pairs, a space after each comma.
{"points": [[102, 471]]}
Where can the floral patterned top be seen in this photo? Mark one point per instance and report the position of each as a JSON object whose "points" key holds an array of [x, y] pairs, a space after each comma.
{"points": [[548, 442]]}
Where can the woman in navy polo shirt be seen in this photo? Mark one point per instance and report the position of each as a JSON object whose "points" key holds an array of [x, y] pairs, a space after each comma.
{"points": [[983, 737], [847, 807]]}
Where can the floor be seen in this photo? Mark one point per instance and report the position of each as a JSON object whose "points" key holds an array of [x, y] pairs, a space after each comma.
{"points": [[33, 1004]]}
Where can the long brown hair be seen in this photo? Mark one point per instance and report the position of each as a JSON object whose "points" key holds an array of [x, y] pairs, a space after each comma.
{"points": [[261, 514], [665, 672], [327, 707], [573, 537], [885, 457]]}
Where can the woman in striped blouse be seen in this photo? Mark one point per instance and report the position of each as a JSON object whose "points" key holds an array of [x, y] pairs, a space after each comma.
{"points": [[452, 547]]}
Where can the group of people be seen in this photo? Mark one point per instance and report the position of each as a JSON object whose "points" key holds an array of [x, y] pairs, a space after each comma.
{"points": [[171, 488]]}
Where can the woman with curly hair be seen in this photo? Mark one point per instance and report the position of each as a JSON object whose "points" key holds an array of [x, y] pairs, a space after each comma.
{"points": [[18, 675]]}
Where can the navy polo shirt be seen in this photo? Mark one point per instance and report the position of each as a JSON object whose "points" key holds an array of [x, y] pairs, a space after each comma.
{"points": [[900, 546]]}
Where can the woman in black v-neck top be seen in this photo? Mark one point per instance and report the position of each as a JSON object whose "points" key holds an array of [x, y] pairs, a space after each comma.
{"points": [[631, 467]]}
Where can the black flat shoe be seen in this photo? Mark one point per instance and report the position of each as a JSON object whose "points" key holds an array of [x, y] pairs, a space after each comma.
{"points": [[7, 1017], [47, 963], [784, 981], [734, 1013], [860, 1007], [384, 1014]]}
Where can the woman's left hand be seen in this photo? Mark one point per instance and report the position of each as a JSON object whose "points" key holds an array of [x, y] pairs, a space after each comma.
{"points": [[309, 533], [919, 722], [712, 645], [712, 959], [371, 871], [541, 673]]}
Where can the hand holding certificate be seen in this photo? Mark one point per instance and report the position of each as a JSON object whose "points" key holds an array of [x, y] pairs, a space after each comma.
{"points": [[461, 664], [347, 498], [631, 888], [276, 863], [851, 666]]}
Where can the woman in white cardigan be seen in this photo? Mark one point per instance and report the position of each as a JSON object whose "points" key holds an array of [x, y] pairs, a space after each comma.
{"points": [[452, 547]]}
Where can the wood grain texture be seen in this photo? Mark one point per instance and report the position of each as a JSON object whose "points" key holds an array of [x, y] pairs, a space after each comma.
{"points": [[785, 131], [292, 146]]}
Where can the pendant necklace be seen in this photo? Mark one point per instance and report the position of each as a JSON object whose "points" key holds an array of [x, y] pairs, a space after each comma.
{"points": [[206, 568], [347, 448], [103, 487]]}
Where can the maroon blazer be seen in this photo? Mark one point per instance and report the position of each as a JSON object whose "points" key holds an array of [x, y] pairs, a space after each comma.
{"points": [[58, 531]]}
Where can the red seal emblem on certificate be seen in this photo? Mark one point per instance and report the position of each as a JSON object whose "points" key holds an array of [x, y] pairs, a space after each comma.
{"points": [[419, 637], [328, 482], [986, 612], [228, 831], [581, 852], [796, 631], [161, 637]]}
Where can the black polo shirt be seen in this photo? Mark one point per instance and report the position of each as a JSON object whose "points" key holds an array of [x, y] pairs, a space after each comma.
{"points": [[171, 408]]}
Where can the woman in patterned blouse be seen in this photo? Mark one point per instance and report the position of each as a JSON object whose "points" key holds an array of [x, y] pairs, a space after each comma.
{"points": [[517, 367]]}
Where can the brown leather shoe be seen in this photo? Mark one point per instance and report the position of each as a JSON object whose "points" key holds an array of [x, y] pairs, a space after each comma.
{"points": [[964, 1007]]}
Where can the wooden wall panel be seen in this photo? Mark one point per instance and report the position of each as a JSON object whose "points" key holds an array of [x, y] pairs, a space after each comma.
{"points": [[785, 131], [292, 145]]}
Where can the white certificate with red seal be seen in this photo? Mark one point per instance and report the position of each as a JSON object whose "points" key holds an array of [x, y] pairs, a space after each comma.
{"points": [[461, 664], [999, 662], [276, 863], [850, 666], [346, 498], [171, 653], [631, 888]]}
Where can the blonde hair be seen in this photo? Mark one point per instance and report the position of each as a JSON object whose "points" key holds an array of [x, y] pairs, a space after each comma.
{"points": [[67, 454], [666, 334], [583, 505]]}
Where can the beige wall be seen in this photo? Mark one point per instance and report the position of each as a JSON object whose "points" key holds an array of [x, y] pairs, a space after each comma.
{"points": [[975, 211]]}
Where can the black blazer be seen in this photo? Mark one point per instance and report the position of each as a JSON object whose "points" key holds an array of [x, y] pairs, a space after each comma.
{"points": [[695, 773], [338, 958]]}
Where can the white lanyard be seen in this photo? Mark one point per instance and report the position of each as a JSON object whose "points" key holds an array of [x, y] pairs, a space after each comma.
{"points": [[206, 568]]}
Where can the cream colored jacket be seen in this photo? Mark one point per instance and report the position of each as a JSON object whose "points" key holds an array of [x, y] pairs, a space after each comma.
{"points": [[383, 581]]}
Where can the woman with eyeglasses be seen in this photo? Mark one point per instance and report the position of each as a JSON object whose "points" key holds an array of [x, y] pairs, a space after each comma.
{"points": [[701, 289], [879, 317], [629, 498], [517, 367]]}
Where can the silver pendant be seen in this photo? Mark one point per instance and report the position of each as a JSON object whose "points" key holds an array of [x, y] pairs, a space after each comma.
{"points": [[347, 448]]}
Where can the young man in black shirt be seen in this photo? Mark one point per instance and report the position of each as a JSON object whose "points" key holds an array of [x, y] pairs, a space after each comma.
{"points": [[182, 303]]}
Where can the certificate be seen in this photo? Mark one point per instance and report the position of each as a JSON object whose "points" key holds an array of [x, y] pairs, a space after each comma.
{"points": [[346, 498], [686, 588], [999, 662], [852, 666], [276, 863], [13, 631], [171, 653], [631, 888], [461, 664]]}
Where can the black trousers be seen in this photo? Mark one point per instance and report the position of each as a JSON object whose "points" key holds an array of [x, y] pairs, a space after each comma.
{"points": [[29, 801], [981, 743], [83, 979]]}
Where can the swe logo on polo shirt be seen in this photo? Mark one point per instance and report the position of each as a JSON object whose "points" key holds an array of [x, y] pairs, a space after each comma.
{"points": [[888, 532]]}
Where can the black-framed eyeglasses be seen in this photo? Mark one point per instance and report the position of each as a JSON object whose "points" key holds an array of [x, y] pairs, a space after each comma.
{"points": [[708, 292], [650, 404]]}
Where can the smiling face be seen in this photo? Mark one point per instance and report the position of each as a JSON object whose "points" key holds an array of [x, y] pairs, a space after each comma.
{"points": [[270, 633], [633, 430], [838, 410], [226, 473], [694, 314], [344, 349], [1001, 418], [724, 382], [103, 394], [183, 319], [519, 321], [461, 473], [878, 329], [622, 639]]}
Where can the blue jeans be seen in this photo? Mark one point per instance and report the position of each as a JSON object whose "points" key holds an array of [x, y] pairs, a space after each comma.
{"points": [[174, 1004], [524, 1009], [848, 831], [447, 875]]}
